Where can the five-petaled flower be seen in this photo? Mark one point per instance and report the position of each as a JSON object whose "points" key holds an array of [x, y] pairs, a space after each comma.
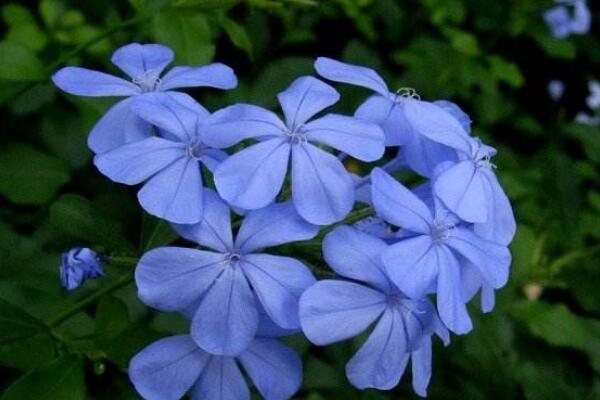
{"points": [[322, 189], [336, 310], [223, 289], [144, 64]]}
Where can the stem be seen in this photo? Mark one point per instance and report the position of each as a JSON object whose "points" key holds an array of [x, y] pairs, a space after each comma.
{"points": [[123, 280]]}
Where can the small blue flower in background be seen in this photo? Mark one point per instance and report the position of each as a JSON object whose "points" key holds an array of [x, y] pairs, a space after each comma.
{"points": [[170, 367], [434, 245], [336, 310], [556, 89], [429, 133], [322, 189], [223, 289], [78, 265], [144, 64], [593, 100], [567, 18], [169, 162]]}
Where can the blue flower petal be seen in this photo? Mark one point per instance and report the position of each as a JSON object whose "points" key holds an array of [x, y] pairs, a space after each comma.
{"points": [[231, 125], [492, 260], [500, 226], [353, 74], [322, 189], [214, 230], [421, 368], [437, 124], [454, 110], [174, 112], [359, 139], [356, 255], [142, 62], [136, 162], [305, 97], [215, 75], [413, 265], [450, 303], [423, 155], [273, 225], [175, 194], [173, 278], [398, 205], [332, 311], [251, 178], [390, 116], [278, 283], [275, 369], [168, 368], [87, 82], [227, 318], [381, 361], [462, 189], [117, 127], [221, 380]]}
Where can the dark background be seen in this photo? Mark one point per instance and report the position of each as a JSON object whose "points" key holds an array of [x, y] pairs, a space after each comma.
{"points": [[494, 58]]}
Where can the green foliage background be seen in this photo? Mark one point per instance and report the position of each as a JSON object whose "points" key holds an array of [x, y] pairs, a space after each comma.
{"points": [[492, 57]]}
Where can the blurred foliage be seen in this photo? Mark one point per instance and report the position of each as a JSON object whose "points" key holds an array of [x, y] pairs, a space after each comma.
{"points": [[493, 58]]}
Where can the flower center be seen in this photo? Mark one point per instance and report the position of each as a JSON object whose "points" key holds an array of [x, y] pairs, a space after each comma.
{"points": [[147, 82], [395, 299], [295, 136], [232, 258], [441, 228], [405, 93], [195, 150]]}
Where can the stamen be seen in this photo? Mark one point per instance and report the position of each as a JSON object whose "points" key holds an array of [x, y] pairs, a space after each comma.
{"points": [[408, 93], [232, 258], [148, 83]]}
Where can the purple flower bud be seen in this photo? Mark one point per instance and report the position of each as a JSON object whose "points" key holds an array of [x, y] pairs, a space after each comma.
{"points": [[79, 264]]}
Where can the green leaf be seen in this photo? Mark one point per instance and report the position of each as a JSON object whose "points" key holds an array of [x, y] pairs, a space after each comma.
{"points": [[77, 216], [156, 232], [19, 63], [506, 71], [61, 380], [28, 176], [19, 333], [187, 33], [112, 319], [238, 36]]}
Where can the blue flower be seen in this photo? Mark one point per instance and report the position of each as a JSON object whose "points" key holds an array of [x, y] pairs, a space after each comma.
{"points": [[428, 132], [78, 265], [569, 17], [593, 100], [322, 189], [556, 89], [173, 366], [223, 289], [143, 63], [433, 248], [336, 310], [469, 188], [170, 162]]}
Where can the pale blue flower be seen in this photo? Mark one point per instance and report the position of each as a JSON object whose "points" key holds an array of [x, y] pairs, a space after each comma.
{"points": [[223, 288], [322, 189], [336, 310], [144, 64]]}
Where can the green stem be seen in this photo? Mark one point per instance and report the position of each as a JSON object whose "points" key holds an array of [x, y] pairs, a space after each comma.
{"points": [[122, 281]]}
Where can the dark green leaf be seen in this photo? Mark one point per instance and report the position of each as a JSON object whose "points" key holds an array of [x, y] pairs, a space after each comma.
{"points": [[61, 380], [77, 216], [19, 63], [28, 176]]}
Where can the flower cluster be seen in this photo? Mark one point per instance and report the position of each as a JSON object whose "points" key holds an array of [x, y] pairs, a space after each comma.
{"points": [[406, 274], [568, 17]]}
